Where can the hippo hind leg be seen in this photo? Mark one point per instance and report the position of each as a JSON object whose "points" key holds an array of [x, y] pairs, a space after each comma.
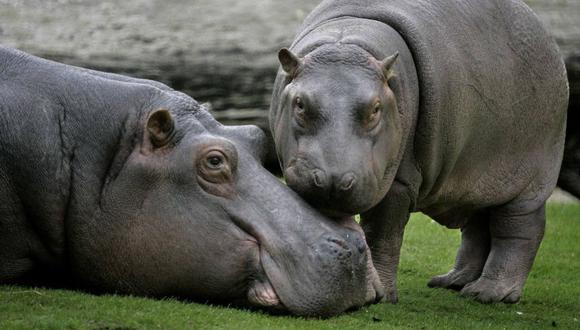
{"points": [[12, 270], [15, 256], [515, 239], [471, 257]]}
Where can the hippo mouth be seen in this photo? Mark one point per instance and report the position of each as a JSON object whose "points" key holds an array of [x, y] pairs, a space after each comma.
{"points": [[263, 291], [262, 294], [323, 270], [342, 217]]}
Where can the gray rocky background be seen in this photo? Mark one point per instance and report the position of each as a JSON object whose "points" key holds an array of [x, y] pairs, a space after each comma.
{"points": [[221, 51]]}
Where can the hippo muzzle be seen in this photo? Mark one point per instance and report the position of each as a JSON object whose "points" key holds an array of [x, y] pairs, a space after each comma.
{"points": [[302, 252], [337, 191]]}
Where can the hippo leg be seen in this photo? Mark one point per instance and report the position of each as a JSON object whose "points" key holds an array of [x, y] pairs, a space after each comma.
{"points": [[384, 226], [515, 239], [13, 269], [15, 259], [471, 257], [15, 253]]}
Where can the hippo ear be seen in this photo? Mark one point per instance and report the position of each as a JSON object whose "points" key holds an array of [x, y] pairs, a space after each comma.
{"points": [[289, 61], [160, 127], [387, 65]]}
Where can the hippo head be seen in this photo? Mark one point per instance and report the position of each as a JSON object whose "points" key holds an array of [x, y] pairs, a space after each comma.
{"points": [[337, 128], [190, 212]]}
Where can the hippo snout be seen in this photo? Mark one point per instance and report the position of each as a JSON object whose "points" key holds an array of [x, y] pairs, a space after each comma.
{"points": [[346, 182], [304, 177], [331, 272], [352, 252], [352, 241], [333, 183], [319, 178], [336, 192], [352, 248]]}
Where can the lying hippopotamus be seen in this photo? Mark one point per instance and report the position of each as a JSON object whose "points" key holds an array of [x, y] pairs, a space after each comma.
{"points": [[456, 109], [124, 185]]}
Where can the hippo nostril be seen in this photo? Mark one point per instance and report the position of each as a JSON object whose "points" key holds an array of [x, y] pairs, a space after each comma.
{"points": [[318, 178], [338, 242], [339, 245], [347, 182], [361, 245]]}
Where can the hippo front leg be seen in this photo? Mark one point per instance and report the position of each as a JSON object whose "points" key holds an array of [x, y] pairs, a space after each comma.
{"points": [[384, 226]]}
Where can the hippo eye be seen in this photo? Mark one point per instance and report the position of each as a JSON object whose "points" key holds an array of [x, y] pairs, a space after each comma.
{"points": [[216, 165], [299, 111], [299, 103], [374, 116], [215, 160]]}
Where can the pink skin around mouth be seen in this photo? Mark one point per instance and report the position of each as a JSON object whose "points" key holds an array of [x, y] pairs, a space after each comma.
{"points": [[263, 294]]}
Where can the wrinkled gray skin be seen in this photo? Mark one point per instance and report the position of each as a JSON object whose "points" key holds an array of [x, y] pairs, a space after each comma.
{"points": [[453, 108], [124, 185]]}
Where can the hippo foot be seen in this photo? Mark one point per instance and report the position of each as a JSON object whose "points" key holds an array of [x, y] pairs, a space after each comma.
{"points": [[488, 291], [391, 296], [454, 279]]}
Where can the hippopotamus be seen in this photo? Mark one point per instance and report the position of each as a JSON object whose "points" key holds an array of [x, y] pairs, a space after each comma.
{"points": [[456, 109], [124, 185]]}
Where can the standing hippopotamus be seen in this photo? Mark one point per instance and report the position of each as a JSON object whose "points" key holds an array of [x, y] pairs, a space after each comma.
{"points": [[453, 108], [125, 185]]}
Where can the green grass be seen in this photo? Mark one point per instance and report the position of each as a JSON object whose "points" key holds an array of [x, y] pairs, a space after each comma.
{"points": [[551, 297]]}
